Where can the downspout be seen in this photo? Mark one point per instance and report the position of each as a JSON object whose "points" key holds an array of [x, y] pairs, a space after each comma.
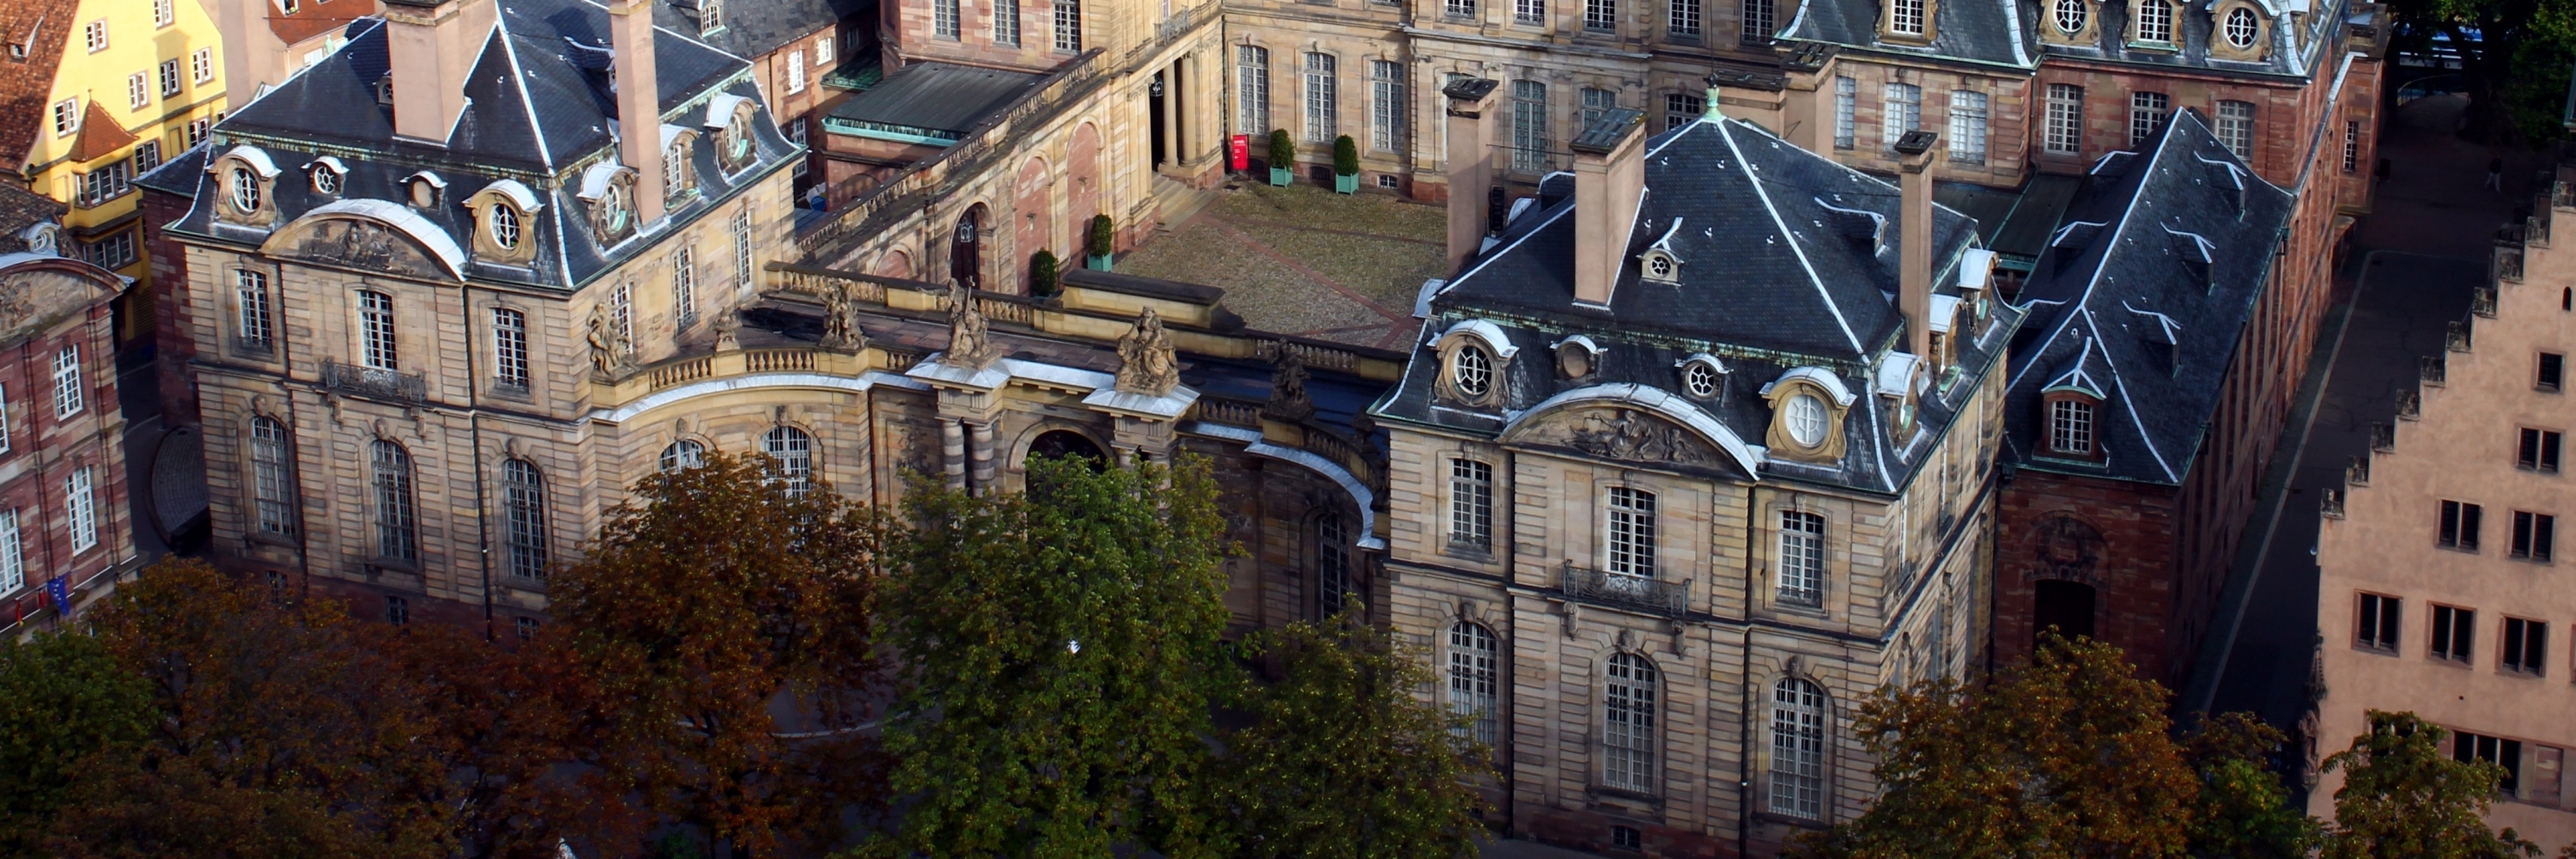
{"points": [[474, 421], [1744, 755], [1511, 573]]}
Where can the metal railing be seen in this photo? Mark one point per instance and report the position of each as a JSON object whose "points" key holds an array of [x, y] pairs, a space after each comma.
{"points": [[1635, 593], [373, 383]]}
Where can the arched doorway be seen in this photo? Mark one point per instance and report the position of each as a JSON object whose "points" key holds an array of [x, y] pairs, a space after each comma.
{"points": [[1029, 200], [2066, 605], [965, 254], [1062, 443]]}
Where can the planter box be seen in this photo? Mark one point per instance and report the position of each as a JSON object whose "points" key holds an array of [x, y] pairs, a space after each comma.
{"points": [[1346, 184], [1281, 176], [1095, 262]]}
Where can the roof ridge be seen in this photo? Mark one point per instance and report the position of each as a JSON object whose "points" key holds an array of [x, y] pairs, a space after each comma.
{"points": [[1762, 193], [519, 82], [2084, 301]]}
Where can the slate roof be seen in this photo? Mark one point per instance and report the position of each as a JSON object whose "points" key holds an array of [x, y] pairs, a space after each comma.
{"points": [[20, 209], [2007, 32], [43, 28], [2288, 54], [1997, 32], [939, 97], [753, 28], [2014, 223], [540, 112], [1773, 280], [2122, 305]]}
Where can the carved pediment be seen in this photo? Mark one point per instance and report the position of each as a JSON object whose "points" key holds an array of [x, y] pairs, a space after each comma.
{"points": [[356, 243], [1624, 434], [31, 300]]}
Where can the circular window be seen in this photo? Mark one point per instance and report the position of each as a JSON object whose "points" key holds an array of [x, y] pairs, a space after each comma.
{"points": [[1473, 371], [1701, 379], [245, 190], [1807, 420], [2070, 16], [505, 226], [613, 204], [326, 180], [738, 140], [2240, 27], [1661, 265]]}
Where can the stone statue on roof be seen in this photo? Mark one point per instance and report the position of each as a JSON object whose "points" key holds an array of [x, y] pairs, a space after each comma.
{"points": [[841, 320], [1147, 364], [969, 345], [1288, 398], [608, 350], [726, 324]]}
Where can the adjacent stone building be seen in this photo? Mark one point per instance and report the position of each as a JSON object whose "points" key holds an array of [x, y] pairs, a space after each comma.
{"points": [[2437, 562]]}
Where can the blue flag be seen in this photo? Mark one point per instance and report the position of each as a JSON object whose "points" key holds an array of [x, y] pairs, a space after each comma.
{"points": [[60, 589]]}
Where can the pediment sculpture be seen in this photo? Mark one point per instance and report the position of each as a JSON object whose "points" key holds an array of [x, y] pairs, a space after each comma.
{"points": [[969, 344], [1147, 363], [367, 246], [1624, 434]]}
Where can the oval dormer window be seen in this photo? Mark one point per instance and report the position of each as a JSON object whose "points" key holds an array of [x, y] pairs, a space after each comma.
{"points": [[2069, 16], [2240, 27], [505, 226], [245, 190], [326, 180], [737, 142], [1473, 371], [1806, 420], [613, 202], [1701, 379]]}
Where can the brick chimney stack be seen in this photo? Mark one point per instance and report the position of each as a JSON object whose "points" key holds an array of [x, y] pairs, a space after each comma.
{"points": [[1914, 238], [639, 102], [1471, 164], [432, 45], [1609, 180]]}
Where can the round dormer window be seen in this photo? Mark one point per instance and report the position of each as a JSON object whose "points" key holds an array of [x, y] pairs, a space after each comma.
{"points": [[737, 141], [245, 190], [1473, 371], [1806, 420], [2240, 27], [1660, 265], [612, 204], [2069, 16], [504, 226], [1701, 379], [326, 180]]}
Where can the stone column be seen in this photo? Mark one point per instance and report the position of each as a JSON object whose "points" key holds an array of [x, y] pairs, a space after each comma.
{"points": [[1171, 115], [1187, 84], [981, 455], [952, 451]]}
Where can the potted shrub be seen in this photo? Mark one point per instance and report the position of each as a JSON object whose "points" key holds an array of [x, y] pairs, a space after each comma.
{"points": [[1283, 157], [1104, 240], [1042, 273], [1346, 164]]}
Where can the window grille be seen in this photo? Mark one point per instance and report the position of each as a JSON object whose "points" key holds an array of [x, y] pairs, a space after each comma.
{"points": [[2236, 126], [1901, 111], [2155, 21], [523, 491], [1682, 109], [1471, 503], [1846, 106], [1529, 127], [794, 452], [1474, 679], [1968, 127], [510, 347], [1906, 17], [1761, 20], [1628, 723], [70, 394], [251, 302], [376, 331], [396, 537], [2147, 112], [1068, 26], [2070, 427], [1601, 16], [1389, 109], [1332, 564], [1323, 114], [80, 509], [1632, 532], [1683, 18], [272, 481], [1802, 558], [2065, 131], [1798, 749], [1252, 89]]}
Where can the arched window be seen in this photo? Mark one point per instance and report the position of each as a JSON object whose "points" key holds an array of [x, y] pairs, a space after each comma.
{"points": [[396, 534], [523, 496], [1474, 675], [1332, 564], [1628, 723], [1060, 443], [245, 190], [272, 481], [794, 451], [683, 454], [1798, 749], [2069, 16], [2240, 27]]}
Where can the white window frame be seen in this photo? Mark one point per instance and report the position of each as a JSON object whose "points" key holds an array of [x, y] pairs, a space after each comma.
{"points": [[1905, 17], [2065, 121], [795, 71], [1323, 96], [1529, 126], [94, 35], [684, 286], [80, 508], [1471, 503], [1682, 18], [13, 553], [1681, 108], [1967, 127], [1389, 106], [2148, 111], [1630, 534], [523, 492], [272, 476], [510, 347], [1529, 11], [682, 454], [1798, 710], [2155, 22], [943, 18], [1802, 558], [4, 418], [1846, 109], [201, 65], [138, 90], [1252, 89], [1475, 680], [379, 346], [164, 13], [1761, 20], [254, 326], [1601, 16], [67, 117], [70, 389], [1900, 111], [793, 448], [2071, 424], [1629, 739], [2235, 126], [396, 510], [2251, 30], [1006, 23], [1068, 26]]}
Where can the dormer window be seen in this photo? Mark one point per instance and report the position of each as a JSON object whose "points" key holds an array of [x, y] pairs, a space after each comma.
{"points": [[675, 170], [503, 222], [1807, 409], [1473, 354], [615, 216], [425, 189], [242, 190], [1660, 266], [2155, 22], [501, 211], [1805, 416], [243, 176], [609, 190], [1472, 371], [2069, 16], [1905, 17], [1702, 376], [2240, 27], [1577, 356], [326, 181], [731, 117], [710, 15], [2070, 426]]}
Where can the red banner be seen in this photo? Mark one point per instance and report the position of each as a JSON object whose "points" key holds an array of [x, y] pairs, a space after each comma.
{"points": [[1238, 152]]}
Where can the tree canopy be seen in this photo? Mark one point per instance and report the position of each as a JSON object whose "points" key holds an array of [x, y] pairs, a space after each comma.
{"points": [[2514, 58], [2403, 794]]}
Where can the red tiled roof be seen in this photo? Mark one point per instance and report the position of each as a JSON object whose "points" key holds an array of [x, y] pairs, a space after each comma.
{"points": [[316, 19], [99, 135], [40, 28]]}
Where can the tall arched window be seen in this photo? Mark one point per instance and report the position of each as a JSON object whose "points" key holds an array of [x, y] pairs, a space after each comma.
{"points": [[1474, 662], [523, 496], [1628, 723], [794, 451], [683, 454], [272, 481], [396, 534], [1332, 564], [1798, 749]]}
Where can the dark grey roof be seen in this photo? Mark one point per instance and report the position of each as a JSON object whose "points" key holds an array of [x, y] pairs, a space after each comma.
{"points": [[2142, 300], [540, 113], [1982, 31], [179, 174], [943, 98], [753, 28], [2290, 52], [2014, 223], [1773, 280]]}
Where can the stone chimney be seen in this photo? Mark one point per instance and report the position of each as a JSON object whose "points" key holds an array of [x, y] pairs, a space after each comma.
{"points": [[1914, 238], [433, 45], [1471, 164], [1609, 181], [639, 102]]}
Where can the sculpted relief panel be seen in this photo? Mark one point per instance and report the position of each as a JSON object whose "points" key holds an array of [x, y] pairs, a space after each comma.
{"points": [[1624, 434], [359, 244], [29, 300]]}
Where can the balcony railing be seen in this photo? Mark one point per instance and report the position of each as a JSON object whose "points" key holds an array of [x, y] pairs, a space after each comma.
{"points": [[373, 383], [1634, 593], [1217, 410]]}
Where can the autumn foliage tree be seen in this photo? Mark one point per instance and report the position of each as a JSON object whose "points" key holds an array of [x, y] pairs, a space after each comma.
{"points": [[2403, 795], [724, 620], [64, 701]]}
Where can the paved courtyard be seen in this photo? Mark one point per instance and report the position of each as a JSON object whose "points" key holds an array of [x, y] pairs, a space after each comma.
{"points": [[1306, 261]]}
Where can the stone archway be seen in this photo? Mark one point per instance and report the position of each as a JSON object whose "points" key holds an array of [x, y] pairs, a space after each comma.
{"points": [[1033, 217], [966, 246], [894, 263], [1082, 186]]}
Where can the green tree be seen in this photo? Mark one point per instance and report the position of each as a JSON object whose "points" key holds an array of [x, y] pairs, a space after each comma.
{"points": [[63, 701], [712, 604], [1057, 651], [2513, 54], [2245, 810], [1341, 758], [2403, 795]]}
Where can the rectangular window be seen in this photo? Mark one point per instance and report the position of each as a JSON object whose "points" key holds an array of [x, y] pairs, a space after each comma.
{"points": [[796, 71], [1797, 749], [1968, 127], [66, 117], [69, 394], [684, 286], [95, 35], [1601, 16], [2070, 427], [1252, 89], [1802, 558], [1761, 19], [1323, 116], [1474, 679], [169, 78], [2147, 112], [163, 14], [138, 90], [110, 181], [1632, 532], [197, 129], [397, 610], [943, 18], [2526, 646], [1529, 11], [742, 248], [2065, 132], [2351, 147], [1471, 503], [1529, 127], [147, 155], [1682, 109], [80, 509], [2539, 451], [1006, 22], [2236, 127], [1684, 19], [510, 347], [1388, 106], [2553, 372], [2535, 536], [250, 301], [621, 312], [1905, 17], [2453, 630], [2460, 525], [376, 331], [1068, 26], [13, 557], [201, 65], [4, 419], [114, 250], [1595, 103], [528, 627], [2376, 628], [1846, 107], [1902, 112], [1628, 723], [823, 56], [272, 488], [1459, 8], [2466, 747]]}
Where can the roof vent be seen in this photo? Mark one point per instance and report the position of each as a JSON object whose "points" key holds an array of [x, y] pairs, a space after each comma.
{"points": [[2196, 253], [1555, 188], [2072, 240], [1865, 229]]}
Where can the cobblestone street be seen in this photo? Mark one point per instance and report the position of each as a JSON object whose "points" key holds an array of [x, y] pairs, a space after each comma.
{"points": [[1303, 260]]}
